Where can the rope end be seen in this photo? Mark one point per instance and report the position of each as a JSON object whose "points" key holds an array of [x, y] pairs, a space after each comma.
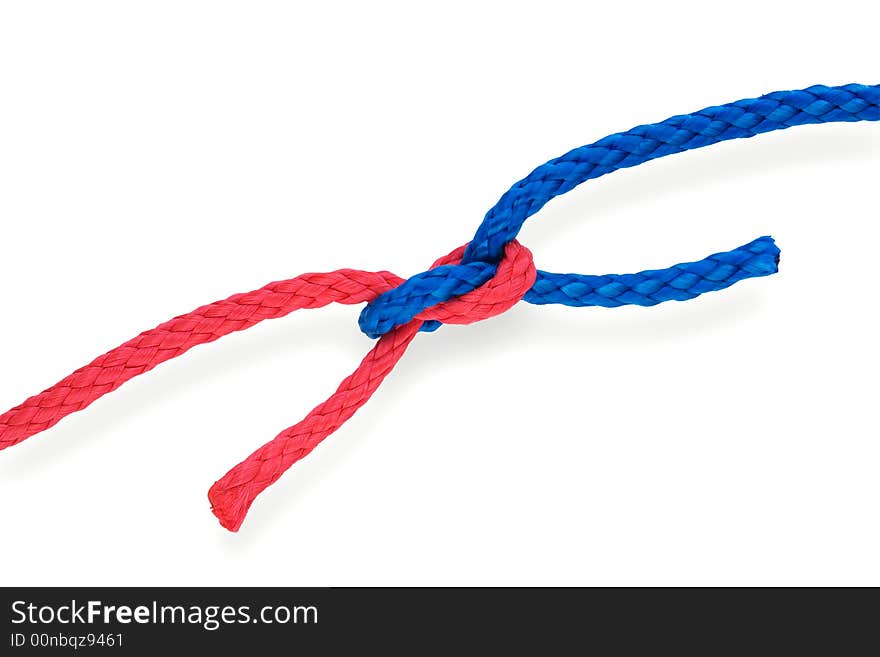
{"points": [[228, 505], [765, 258]]}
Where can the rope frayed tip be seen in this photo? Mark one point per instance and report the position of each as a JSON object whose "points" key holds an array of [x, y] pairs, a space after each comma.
{"points": [[228, 505], [767, 257]]}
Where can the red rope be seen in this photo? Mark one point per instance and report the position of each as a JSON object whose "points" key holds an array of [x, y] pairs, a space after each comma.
{"points": [[232, 495]]}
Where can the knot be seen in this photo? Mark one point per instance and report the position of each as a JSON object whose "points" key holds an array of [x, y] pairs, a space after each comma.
{"points": [[453, 293], [485, 278]]}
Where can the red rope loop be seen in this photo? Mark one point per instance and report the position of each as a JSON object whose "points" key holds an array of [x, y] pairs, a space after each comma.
{"points": [[515, 276]]}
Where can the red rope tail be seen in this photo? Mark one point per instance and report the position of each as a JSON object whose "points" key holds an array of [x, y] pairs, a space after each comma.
{"points": [[176, 336], [232, 495]]}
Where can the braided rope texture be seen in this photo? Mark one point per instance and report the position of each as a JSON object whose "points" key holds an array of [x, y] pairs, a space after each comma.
{"points": [[744, 118], [477, 281], [648, 288], [231, 496], [177, 336]]}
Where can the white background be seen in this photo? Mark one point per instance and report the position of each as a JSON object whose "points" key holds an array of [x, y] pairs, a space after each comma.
{"points": [[158, 156]]}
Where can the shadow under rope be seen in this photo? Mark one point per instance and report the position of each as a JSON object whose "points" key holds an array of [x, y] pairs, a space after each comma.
{"points": [[452, 345]]}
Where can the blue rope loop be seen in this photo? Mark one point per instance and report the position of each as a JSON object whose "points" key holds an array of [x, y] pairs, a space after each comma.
{"points": [[742, 119]]}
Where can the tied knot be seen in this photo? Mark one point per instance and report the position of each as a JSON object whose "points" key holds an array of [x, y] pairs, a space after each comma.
{"points": [[481, 280], [453, 292]]}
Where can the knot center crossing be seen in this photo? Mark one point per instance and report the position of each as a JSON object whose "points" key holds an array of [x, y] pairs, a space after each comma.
{"points": [[453, 293]]}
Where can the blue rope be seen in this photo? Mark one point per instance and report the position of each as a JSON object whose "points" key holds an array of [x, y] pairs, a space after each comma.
{"points": [[648, 288], [744, 118]]}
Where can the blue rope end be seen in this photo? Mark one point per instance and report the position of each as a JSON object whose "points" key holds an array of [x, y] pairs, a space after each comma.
{"points": [[764, 259]]}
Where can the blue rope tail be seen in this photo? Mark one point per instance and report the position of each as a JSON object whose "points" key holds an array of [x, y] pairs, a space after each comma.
{"points": [[648, 288], [744, 118]]}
